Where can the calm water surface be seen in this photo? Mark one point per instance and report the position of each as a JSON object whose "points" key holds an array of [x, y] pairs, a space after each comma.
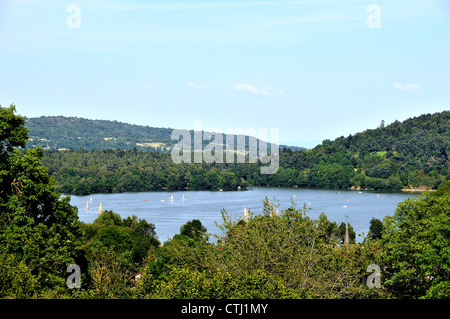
{"points": [[168, 216]]}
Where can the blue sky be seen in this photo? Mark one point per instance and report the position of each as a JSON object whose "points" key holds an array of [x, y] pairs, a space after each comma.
{"points": [[312, 69]]}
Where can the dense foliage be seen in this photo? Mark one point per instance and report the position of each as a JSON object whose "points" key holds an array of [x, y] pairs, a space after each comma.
{"points": [[84, 172], [411, 154], [115, 249], [408, 154], [269, 254], [416, 244], [39, 233]]}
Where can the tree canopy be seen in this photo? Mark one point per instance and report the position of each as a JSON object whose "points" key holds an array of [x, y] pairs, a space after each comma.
{"points": [[39, 230], [416, 243]]}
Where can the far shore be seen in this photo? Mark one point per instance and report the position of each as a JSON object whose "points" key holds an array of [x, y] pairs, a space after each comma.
{"points": [[416, 190]]}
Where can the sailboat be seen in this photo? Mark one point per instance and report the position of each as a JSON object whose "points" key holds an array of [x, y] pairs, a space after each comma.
{"points": [[100, 210], [90, 199], [245, 213], [182, 197], [171, 198], [87, 206]]}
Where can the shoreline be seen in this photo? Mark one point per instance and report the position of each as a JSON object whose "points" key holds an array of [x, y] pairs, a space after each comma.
{"points": [[416, 190], [403, 190]]}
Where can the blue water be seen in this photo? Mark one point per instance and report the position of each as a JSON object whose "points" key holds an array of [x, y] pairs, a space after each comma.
{"points": [[168, 216]]}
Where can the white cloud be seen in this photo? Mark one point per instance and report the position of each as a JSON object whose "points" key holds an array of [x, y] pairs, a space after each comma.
{"points": [[196, 86], [261, 91], [408, 87]]}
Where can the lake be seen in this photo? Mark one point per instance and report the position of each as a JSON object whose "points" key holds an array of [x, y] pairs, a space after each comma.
{"points": [[168, 216]]}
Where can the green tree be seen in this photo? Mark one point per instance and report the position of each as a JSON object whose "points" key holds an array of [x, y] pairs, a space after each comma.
{"points": [[141, 226], [329, 229], [275, 254], [194, 229], [416, 246], [300, 252], [115, 238], [185, 283], [375, 229], [111, 273], [131, 235], [108, 218], [16, 280], [12, 131]]}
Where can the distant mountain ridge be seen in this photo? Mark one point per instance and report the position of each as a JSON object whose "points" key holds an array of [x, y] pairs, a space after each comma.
{"points": [[60, 132]]}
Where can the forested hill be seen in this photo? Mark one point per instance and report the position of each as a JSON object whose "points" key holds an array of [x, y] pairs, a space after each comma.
{"points": [[407, 154], [60, 133], [402, 155]]}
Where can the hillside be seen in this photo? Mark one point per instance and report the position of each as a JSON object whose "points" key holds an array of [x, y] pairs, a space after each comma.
{"points": [[409, 154], [60, 133], [403, 155]]}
